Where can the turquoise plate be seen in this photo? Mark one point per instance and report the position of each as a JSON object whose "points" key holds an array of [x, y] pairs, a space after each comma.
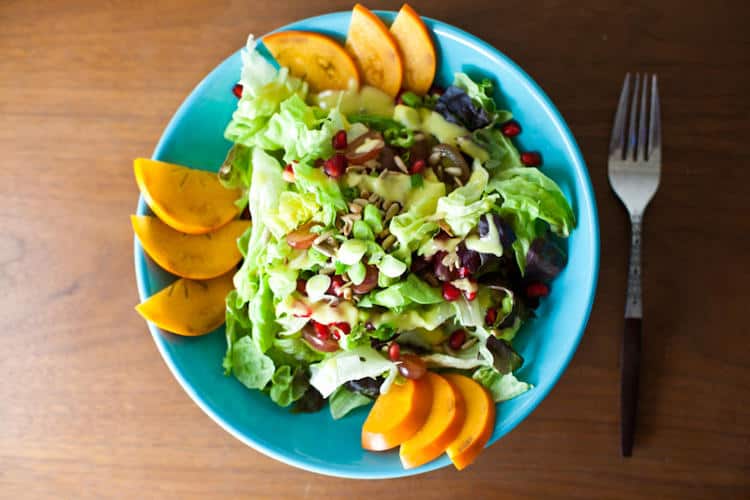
{"points": [[316, 442]]}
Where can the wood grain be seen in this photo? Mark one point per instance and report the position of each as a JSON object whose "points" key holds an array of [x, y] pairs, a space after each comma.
{"points": [[88, 408]]}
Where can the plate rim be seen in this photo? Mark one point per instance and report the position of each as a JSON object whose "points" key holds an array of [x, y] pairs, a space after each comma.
{"points": [[586, 202]]}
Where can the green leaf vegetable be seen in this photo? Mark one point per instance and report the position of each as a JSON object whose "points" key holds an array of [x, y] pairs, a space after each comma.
{"points": [[343, 401]]}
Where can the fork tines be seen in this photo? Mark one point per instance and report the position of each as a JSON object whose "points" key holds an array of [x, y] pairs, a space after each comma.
{"points": [[637, 146]]}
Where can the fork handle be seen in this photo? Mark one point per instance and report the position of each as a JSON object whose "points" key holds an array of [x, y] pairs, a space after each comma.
{"points": [[631, 356], [631, 343]]}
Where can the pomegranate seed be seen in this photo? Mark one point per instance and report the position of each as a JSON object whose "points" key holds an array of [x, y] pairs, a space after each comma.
{"points": [[463, 272], [301, 286], [288, 173], [511, 129], [491, 316], [237, 90], [457, 339], [470, 295], [336, 283], [335, 166], [537, 290], [394, 351], [321, 330], [531, 159], [335, 335], [344, 327], [339, 140], [450, 292], [417, 167]]}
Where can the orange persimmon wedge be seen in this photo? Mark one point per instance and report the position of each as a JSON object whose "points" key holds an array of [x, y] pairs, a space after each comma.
{"points": [[397, 415], [189, 200], [375, 51], [188, 307], [194, 256], [417, 50], [478, 424], [441, 427], [319, 59]]}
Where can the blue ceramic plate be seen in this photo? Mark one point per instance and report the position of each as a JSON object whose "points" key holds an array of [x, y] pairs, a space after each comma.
{"points": [[316, 442]]}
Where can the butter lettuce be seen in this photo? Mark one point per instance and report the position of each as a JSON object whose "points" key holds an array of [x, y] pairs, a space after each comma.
{"points": [[530, 197], [343, 401], [501, 386], [343, 366], [410, 291], [296, 130], [327, 191], [293, 209], [251, 367], [462, 208]]}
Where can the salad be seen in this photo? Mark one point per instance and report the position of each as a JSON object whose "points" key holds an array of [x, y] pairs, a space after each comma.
{"points": [[390, 238]]}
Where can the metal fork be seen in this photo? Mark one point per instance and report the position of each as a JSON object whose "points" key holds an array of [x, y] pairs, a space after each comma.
{"points": [[634, 170]]}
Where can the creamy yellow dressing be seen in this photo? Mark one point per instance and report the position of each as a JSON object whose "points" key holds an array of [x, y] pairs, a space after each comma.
{"points": [[323, 312], [490, 243], [433, 246], [367, 99]]}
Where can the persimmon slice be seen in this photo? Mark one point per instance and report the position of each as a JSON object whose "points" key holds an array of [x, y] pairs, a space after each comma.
{"points": [[195, 256], [397, 415], [441, 427], [188, 307], [478, 424], [317, 58], [375, 51], [417, 50], [189, 200]]}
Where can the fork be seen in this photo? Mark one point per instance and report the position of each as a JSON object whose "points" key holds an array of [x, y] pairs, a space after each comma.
{"points": [[634, 170]]}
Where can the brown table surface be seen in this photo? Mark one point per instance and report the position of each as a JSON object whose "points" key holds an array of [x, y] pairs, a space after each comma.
{"points": [[89, 409]]}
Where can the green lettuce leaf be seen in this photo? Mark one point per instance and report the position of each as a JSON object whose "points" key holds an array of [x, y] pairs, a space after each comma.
{"points": [[462, 208], [480, 93], [529, 191], [251, 367], [237, 325], [294, 209], [427, 317], [503, 154], [465, 359], [287, 385], [261, 313], [412, 290], [256, 70], [263, 90], [327, 191], [265, 190], [531, 199], [282, 280], [297, 131], [236, 171], [292, 350], [342, 401], [502, 387], [343, 366]]}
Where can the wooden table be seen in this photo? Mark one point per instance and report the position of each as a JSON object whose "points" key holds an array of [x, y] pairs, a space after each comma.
{"points": [[89, 409]]}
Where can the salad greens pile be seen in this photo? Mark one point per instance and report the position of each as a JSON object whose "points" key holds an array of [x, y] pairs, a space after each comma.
{"points": [[425, 229]]}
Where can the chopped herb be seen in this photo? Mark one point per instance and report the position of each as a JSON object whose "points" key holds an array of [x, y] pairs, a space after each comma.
{"points": [[411, 99], [417, 180]]}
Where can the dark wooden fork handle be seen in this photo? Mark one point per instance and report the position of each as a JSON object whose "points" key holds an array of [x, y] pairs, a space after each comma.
{"points": [[631, 359]]}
